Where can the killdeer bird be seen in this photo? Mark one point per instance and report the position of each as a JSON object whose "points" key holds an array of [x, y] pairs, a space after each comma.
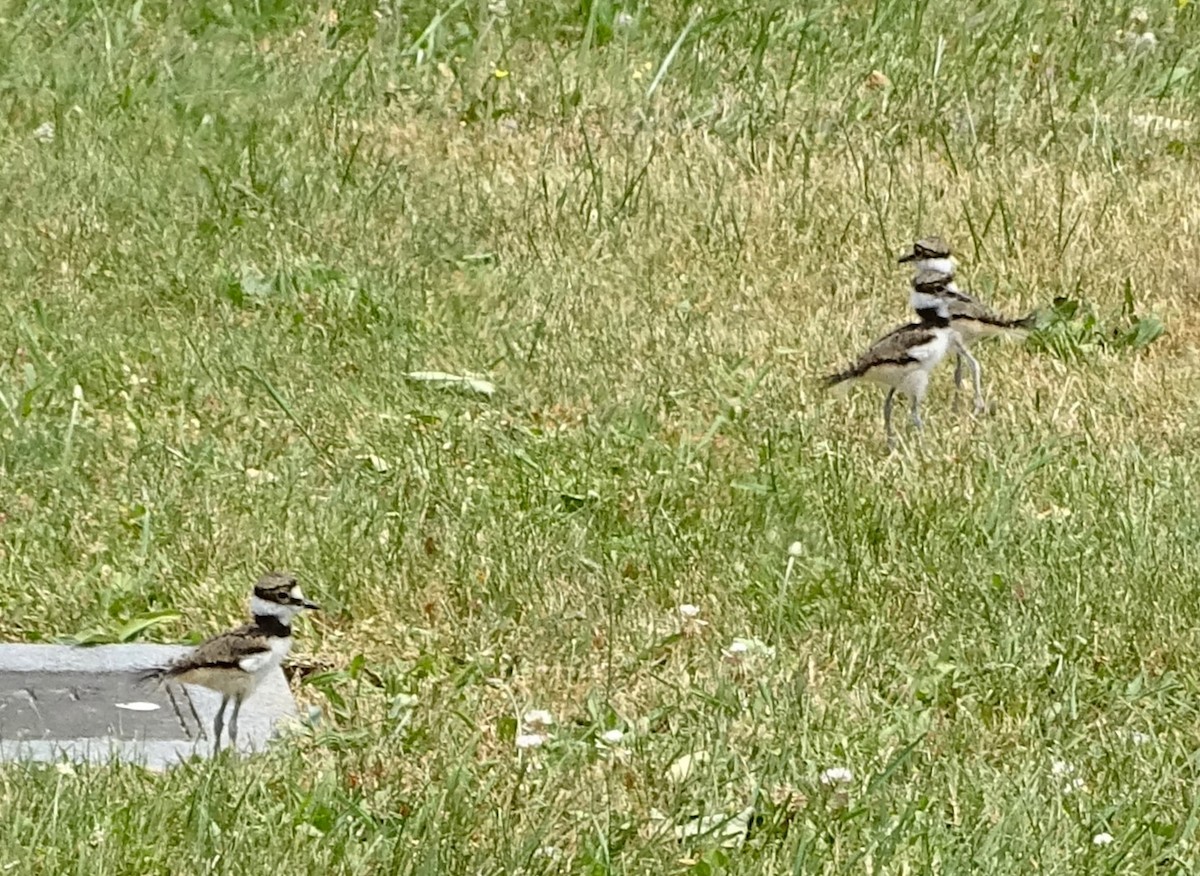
{"points": [[234, 662], [971, 318], [903, 358]]}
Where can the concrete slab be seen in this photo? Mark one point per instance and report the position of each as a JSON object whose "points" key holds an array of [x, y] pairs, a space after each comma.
{"points": [[84, 704]]}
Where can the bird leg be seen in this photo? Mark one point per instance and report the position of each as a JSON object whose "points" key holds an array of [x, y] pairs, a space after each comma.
{"points": [[887, 418], [976, 379], [233, 722], [918, 423], [958, 376], [219, 725]]}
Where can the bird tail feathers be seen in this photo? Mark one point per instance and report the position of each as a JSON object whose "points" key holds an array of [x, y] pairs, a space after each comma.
{"points": [[1025, 323], [839, 383], [154, 676]]}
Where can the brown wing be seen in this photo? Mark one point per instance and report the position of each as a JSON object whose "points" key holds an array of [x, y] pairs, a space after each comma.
{"points": [[900, 329], [966, 307], [223, 650], [892, 349]]}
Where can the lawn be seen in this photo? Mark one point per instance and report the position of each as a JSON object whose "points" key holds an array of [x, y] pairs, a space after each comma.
{"points": [[230, 232]]}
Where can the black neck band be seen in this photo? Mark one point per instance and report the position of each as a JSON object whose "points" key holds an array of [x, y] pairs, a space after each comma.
{"points": [[932, 317], [272, 626]]}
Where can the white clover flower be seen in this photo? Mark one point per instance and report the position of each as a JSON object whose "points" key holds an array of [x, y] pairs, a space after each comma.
{"points": [[1137, 737], [536, 720], [690, 622], [795, 550], [1061, 768], [741, 649], [609, 746], [612, 737], [530, 740], [1137, 43], [1102, 839], [836, 776], [44, 133]]}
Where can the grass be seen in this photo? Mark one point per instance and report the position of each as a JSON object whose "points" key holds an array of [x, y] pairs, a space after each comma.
{"points": [[651, 227]]}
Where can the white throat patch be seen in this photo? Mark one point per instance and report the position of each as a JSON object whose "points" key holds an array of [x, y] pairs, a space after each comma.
{"points": [[945, 266]]}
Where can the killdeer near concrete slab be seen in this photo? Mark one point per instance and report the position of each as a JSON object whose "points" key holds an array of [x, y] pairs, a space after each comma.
{"points": [[234, 662], [970, 317], [903, 359]]}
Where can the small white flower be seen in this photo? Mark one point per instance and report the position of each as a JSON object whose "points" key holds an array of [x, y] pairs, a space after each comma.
{"points": [[795, 550], [404, 702], [44, 133], [551, 852], [1138, 43], [623, 21], [741, 650], [612, 737], [690, 622], [836, 776], [536, 720], [530, 740], [1139, 17], [65, 769], [498, 8], [1061, 768], [1137, 737], [1102, 839], [1076, 784]]}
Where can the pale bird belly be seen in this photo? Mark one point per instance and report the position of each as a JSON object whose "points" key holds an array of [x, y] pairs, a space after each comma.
{"points": [[226, 681], [914, 383], [264, 661], [930, 353], [887, 375]]}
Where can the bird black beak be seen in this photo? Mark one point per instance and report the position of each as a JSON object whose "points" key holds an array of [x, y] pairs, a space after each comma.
{"points": [[310, 605], [908, 257]]}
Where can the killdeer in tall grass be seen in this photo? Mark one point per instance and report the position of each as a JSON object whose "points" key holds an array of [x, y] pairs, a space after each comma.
{"points": [[233, 663], [903, 358], [971, 318]]}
